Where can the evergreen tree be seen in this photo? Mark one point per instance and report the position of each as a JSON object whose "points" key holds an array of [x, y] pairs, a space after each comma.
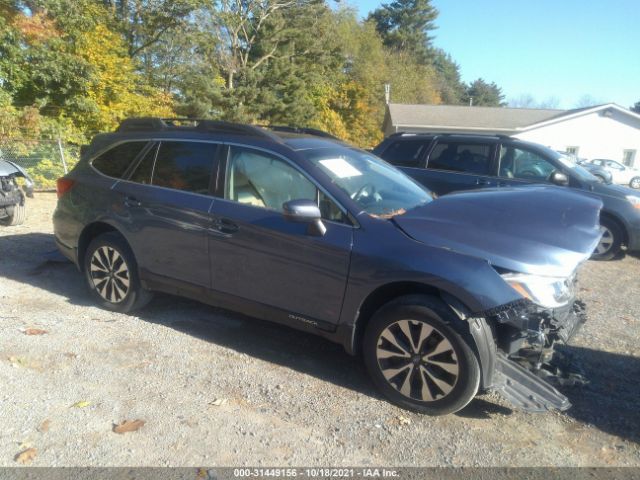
{"points": [[405, 25], [481, 93]]}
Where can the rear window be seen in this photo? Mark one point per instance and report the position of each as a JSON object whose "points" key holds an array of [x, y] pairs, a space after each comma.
{"points": [[405, 153], [114, 162], [461, 157], [184, 166]]}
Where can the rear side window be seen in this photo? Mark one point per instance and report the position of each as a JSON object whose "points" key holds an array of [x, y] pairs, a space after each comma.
{"points": [[461, 157], [144, 170], [115, 161], [405, 153], [184, 166]]}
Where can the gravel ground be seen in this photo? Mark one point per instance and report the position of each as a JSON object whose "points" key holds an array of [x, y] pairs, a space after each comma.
{"points": [[288, 398]]}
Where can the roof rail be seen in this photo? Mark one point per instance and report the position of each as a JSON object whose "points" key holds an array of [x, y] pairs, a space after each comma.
{"points": [[400, 134], [302, 130], [150, 124]]}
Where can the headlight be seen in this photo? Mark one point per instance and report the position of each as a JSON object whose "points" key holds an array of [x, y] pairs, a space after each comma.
{"points": [[633, 200], [548, 292]]}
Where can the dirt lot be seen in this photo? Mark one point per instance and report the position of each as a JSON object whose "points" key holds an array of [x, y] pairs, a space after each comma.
{"points": [[291, 398]]}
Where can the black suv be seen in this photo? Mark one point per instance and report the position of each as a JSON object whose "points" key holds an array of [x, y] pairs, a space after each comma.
{"points": [[295, 227], [449, 162]]}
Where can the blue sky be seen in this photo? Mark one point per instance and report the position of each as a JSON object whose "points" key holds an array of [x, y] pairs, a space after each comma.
{"points": [[565, 49]]}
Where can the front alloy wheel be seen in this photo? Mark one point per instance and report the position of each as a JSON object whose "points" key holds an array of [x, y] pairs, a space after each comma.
{"points": [[417, 360], [418, 354], [611, 241]]}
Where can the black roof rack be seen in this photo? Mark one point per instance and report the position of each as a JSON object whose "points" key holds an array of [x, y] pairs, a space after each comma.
{"points": [[400, 134], [301, 130], [153, 124], [450, 134]]}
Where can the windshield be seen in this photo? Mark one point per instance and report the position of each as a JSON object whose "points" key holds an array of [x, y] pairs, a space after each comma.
{"points": [[377, 187], [572, 164]]}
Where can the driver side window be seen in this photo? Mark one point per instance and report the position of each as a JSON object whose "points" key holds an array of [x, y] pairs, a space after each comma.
{"points": [[519, 163], [262, 180]]}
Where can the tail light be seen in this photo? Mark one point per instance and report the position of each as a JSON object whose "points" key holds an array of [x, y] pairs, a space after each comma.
{"points": [[63, 185]]}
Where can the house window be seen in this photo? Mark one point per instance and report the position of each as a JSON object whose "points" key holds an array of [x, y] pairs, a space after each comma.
{"points": [[573, 151], [629, 157]]}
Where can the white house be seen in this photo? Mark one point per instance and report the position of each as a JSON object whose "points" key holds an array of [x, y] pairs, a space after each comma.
{"points": [[603, 131]]}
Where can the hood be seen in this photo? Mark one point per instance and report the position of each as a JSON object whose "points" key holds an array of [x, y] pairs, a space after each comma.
{"points": [[540, 230], [8, 168], [613, 190]]}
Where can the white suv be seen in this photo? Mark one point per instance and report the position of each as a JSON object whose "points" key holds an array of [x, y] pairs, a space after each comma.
{"points": [[622, 174]]}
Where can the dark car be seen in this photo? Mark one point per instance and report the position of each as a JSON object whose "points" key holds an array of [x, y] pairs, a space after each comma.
{"points": [[446, 163], [440, 296], [13, 209]]}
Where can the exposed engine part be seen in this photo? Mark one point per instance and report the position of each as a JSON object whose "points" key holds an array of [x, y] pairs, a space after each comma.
{"points": [[528, 336]]}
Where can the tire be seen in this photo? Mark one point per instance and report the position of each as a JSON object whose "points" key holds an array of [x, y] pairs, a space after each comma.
{"points": [[611, 242], [635, 183], [18, 216], [434, 384], [111, 273]]}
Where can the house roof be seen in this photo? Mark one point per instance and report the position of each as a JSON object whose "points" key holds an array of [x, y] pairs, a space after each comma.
{"points": [[458, 117]]}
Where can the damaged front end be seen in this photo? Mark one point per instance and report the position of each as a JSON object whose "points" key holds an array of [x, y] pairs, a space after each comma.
{"points": [[527, 366], [12, 194]]}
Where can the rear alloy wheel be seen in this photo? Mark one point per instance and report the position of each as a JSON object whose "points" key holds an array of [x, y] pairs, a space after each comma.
{"points": [[611, 241], [111, 273], [635, 182], [417, 360]]}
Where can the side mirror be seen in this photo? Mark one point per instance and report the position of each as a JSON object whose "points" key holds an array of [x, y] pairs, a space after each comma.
{"points": [[559, 178], [305, 211]]}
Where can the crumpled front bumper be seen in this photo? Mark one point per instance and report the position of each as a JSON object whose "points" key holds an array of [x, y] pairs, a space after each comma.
{"points": [[526, 335]]}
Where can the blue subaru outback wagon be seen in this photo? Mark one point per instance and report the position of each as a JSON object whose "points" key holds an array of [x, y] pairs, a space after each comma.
{"points": [[442, 297]]}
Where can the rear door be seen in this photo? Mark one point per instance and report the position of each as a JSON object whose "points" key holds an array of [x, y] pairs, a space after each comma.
{"points": [[409, 155], [165, 204], [257, 255], [461, 165]]}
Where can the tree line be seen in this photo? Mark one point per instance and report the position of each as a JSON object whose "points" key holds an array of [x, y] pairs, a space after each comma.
{"points": [[78, 67]]}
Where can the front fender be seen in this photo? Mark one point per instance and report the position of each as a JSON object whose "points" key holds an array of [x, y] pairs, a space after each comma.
{"points": [[388, 256]]}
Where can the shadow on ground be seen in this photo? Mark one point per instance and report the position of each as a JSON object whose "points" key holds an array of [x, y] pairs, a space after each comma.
{"points": [[608, 402]]}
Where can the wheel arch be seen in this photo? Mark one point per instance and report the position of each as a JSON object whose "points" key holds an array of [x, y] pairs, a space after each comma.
{"points": [[387, 293], [91, 231]]}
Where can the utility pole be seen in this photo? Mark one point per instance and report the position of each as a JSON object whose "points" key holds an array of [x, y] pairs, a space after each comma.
{"points": [[387, 93], [61, 150]]}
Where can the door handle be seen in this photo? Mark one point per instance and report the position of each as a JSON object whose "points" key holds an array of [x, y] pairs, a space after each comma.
{"points": [[482, 181], [132, 202], [227, 226], [224, 226]]}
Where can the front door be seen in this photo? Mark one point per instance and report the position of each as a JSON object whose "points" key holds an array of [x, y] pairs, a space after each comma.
{"points": [[520, 166], [257, 255], [165, 206]]}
